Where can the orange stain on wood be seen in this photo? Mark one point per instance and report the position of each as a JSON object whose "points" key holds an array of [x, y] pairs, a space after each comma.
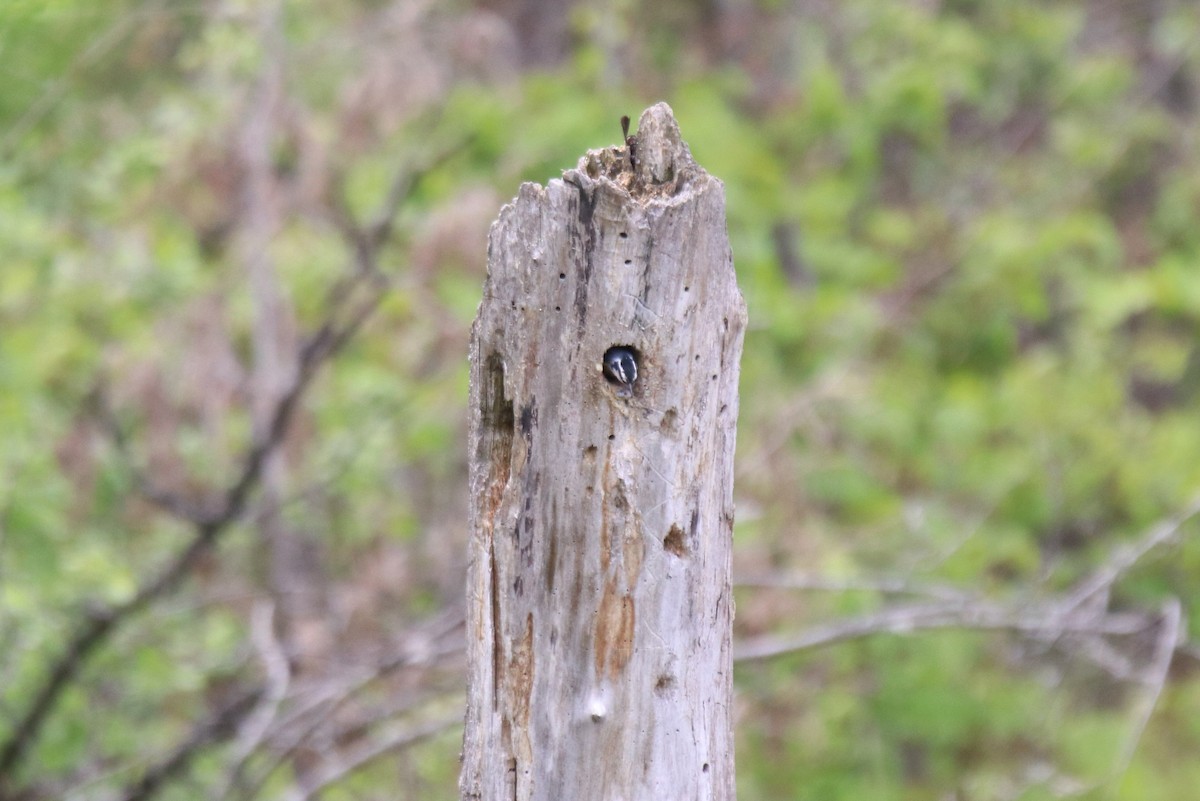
{"points": [[520, 675], [614, 631]]}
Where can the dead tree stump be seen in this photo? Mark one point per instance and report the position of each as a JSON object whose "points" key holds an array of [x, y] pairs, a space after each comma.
{"points": [[598, 598]]}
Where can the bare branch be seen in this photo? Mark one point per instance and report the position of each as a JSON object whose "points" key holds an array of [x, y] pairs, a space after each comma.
{"points": [[99, 46], [1082, 611], [95, 628], [367, 239], [258, 723], [371, 750], [421, 648], [315, 705], [1169, 637], [101, 411], [1046, 620], [98, 624], [217, 728], [882, 585], [1122, 560]]}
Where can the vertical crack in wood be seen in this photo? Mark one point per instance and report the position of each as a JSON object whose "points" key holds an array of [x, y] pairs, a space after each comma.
{"points": [[497, 640], [495, 450], [583, 247]]}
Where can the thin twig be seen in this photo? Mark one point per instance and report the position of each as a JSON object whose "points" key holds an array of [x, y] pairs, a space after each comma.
{"points": [[1042, 621], [360, 757], [57, 89], [367, 240], [320, 703], [99, 623], [882, 585], [1123, 559], [215, 729], [278, 672], [1169, 637], [185, 509]]}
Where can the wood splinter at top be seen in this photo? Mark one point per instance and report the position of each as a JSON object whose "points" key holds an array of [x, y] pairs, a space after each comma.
{"points": [[630, 142], [654, 162]]}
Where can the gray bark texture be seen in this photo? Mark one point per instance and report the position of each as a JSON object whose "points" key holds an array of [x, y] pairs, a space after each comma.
{"points": [[598, 600]]}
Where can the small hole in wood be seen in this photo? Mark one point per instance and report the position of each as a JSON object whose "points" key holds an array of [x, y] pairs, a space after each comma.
{"points": [[704, 768], [674, 542], [562, 275], [687, 289], [558, 308], [714, 376], [629, 261], [612, 436], [623, 235]]}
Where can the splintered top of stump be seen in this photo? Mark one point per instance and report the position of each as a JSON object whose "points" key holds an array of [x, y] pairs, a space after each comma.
{"points": [[661, 166]]}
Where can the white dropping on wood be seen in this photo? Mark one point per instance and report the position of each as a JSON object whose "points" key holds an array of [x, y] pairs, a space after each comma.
{"points": [[599, 601]]}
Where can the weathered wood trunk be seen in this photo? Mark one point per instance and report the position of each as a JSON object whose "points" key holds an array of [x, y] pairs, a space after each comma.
{"points": [[599, 603]]}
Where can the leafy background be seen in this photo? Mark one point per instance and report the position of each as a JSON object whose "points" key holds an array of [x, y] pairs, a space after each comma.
{"points": [[967, 461]]}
